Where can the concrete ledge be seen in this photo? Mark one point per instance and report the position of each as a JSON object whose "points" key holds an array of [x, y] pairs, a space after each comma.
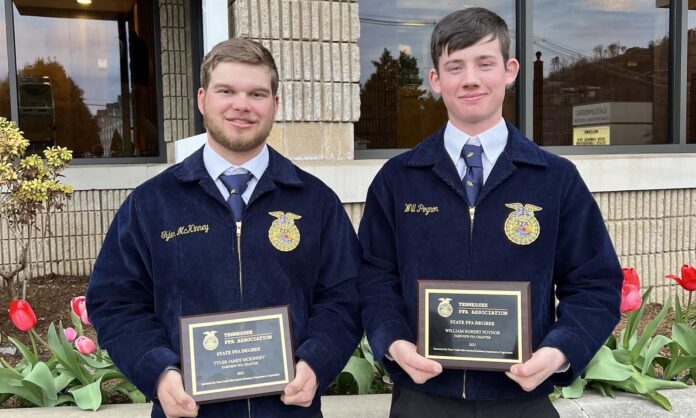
{"points": [[591, 405]]}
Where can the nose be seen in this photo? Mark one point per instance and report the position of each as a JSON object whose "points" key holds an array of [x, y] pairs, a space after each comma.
{"points": [[240, 103], [469, 77]]}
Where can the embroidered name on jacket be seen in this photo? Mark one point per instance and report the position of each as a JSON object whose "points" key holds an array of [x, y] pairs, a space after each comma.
{"points": [[521, 227], [420, 208], [283, 232], [183, 230]]}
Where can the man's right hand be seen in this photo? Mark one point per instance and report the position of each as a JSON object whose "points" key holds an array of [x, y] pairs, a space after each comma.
{"points": [[418, 367], [174, 400]]}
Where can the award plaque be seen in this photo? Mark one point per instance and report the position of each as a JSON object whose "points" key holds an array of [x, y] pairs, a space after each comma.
{"points": [[481, 325], [236, 354]]}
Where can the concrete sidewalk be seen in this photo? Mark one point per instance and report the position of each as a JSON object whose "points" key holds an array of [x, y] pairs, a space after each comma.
{"points": [[591, 405]]}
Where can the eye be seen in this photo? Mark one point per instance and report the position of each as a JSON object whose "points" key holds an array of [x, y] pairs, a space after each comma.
{"points": [[454, 69], [259, 94], [487, 65]]}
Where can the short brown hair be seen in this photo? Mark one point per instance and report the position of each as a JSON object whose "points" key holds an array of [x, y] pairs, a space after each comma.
{"points": [[463, 28], [239, 50]]}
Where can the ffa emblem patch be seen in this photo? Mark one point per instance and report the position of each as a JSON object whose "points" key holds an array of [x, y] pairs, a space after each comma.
{"points": [[521, 227], [210, 342], [444, 308], [283, 233]]}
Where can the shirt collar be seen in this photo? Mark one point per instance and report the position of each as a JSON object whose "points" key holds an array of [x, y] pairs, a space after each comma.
{"points": [[493, 141], [216, 165]]}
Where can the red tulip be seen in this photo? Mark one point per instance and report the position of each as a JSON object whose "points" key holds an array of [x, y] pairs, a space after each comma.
{"points": [[85, 346], [688, 278], [78, 305], [630, 291], [22, 315]]}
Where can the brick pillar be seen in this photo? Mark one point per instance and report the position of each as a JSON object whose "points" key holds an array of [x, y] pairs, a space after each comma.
{"points": [[314, 43], [177, 83]]}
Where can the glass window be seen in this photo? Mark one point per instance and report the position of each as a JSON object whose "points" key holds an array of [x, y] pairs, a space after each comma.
{"points": [[691, 76], [86, 76], [4, 77], [397, 107], [600, 72]]}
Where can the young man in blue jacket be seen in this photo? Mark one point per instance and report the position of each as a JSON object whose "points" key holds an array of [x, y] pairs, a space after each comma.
{"points": [[190, 241], [440, 211]]}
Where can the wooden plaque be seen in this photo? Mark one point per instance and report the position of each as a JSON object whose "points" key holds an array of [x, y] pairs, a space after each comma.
{"points": [[483, 325], [236, 355]]}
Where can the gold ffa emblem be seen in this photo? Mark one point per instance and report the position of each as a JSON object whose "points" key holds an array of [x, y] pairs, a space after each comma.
{"points": [[283, 233], [445, 307], [210, 342], [521, 227]]}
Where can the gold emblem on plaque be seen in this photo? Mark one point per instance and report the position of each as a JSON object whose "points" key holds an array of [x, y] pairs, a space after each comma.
{"points": [[521, 227], [210, 342], [283, 232], [445, 307]]}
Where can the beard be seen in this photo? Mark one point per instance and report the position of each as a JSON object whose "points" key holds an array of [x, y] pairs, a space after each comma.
{"points": [[241, 143]]}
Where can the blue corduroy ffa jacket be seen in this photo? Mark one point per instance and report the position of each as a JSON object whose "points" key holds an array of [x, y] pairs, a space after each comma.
{"points": [[417, 225], [171, 250]]}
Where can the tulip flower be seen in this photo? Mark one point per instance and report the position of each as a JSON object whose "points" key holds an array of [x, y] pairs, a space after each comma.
{"points": [[630, 291], [78, 305], [84, 318], [70, 334], [687, 280], [85, 345], [22, 315]]}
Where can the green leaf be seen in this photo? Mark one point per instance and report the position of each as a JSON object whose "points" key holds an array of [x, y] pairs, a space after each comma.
{"points": [[574, 390], [678, 365], [88, 396], [634, 319], [652, 351], [41, 377], [362, 373], [63, 379], [678, 315], [649, 330], [127, 388], [604, 366], [95, 363], [659, 399], [77, 322], [366, 350], [685, 336], [28, 355], [66, 355], [12, 382]]}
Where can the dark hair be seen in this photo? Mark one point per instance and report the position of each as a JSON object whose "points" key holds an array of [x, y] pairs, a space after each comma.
{"points": [[239, 50], [463, 28]]}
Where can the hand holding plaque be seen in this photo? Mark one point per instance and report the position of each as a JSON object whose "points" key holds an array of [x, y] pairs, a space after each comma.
{"points": [[474, 324], [236, 354]]}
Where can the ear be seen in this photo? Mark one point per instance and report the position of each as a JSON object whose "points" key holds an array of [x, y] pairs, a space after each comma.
{"points": [[201, 101], [434, 79], [275, 104], [511, 69]]}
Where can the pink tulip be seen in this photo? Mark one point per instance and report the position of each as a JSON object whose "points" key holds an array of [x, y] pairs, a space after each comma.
{"points": [[630, 291], [84, 318], [70, 334], [85, 346], [78, 305]]}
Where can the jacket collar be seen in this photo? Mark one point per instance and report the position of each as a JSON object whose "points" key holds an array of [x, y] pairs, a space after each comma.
{"points": [[518, 149], [280, 171]]}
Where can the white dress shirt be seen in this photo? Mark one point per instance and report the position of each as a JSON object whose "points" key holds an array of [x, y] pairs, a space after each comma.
{"points": [[216, 165], [493, 142]]}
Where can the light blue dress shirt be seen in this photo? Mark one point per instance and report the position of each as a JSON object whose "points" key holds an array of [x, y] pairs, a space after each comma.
{"points": [[217, 165]]}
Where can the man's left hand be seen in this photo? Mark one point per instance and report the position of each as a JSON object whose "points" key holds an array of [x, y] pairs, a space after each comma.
{"points": [[544, 362], [302, 389]]}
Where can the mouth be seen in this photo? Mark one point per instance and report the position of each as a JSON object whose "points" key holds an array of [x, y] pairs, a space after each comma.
{"points": [[241, 123], [472, 97]]}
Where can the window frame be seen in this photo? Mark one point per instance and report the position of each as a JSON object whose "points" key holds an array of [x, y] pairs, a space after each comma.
{"points": [[677, 91], [14, 99]]}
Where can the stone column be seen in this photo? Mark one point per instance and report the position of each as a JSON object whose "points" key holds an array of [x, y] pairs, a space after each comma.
{"points": [[314, 43]]}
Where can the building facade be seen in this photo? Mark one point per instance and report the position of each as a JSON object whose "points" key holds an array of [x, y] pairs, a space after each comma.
{"points": [[354, 91]]}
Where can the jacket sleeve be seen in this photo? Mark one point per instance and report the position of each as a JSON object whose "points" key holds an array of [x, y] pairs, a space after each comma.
{"points": [[588, 280], [333, 329], [120, 302], [383, 307]]}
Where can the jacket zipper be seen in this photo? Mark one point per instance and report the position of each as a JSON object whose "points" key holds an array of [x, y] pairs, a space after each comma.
{"points": [[472, 213], [241, 283]]}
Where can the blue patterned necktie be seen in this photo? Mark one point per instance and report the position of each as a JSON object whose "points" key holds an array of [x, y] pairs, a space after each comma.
{"points": [[236, 184], [473, 179]]}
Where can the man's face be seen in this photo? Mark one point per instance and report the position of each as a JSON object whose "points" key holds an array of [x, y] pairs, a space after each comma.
{"points": [[238, 109], [472, 84]]}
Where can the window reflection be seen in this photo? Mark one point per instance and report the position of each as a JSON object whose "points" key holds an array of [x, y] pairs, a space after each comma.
{"points": [[601, 72], [4, 87], [86, 76], [397, 107], [691, 76]]}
